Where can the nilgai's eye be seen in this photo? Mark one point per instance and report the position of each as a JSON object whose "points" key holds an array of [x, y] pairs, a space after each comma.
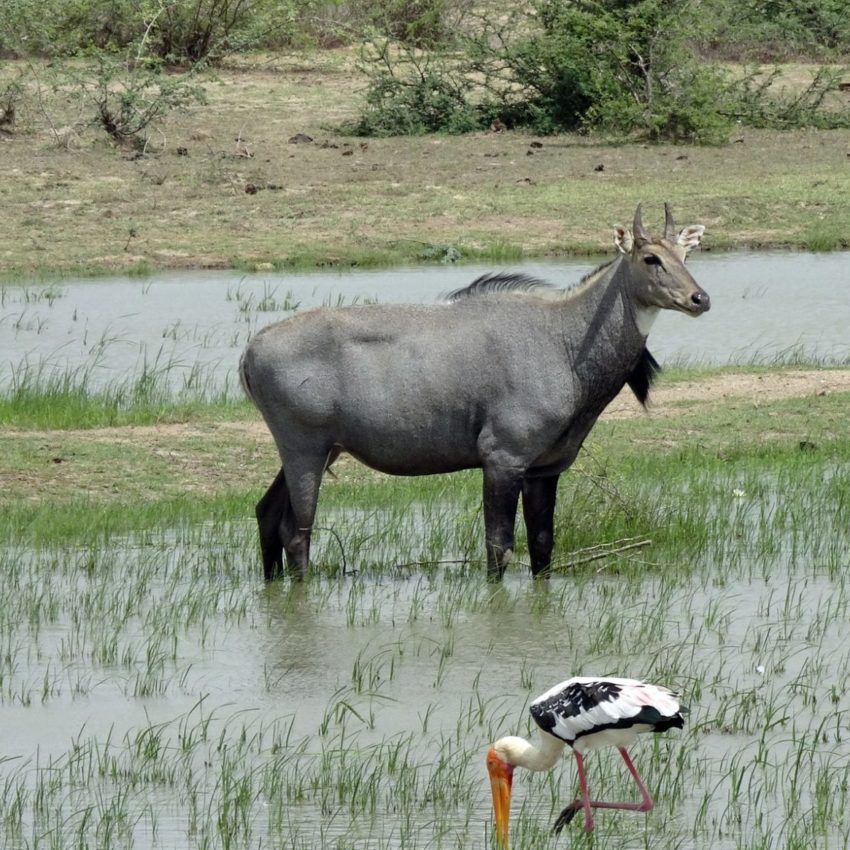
{"points": [[652, 260]]}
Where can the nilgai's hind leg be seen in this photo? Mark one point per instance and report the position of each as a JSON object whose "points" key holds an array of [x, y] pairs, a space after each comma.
{"points": [[285, 515], [538, 509], [303, 478], [501, 494], [274, 513]]}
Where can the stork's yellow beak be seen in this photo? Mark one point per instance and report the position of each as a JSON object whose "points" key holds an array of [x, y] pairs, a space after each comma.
{"points": [[501, 779]]}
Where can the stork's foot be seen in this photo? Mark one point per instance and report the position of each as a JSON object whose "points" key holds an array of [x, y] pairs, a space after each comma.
{"points": [[566, 816]]}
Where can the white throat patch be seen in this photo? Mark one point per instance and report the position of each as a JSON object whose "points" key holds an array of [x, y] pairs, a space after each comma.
{"points": [[645, 317]]}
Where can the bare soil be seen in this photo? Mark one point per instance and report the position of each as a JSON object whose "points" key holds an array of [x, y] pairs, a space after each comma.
{"points": [[262, 175], [759, 387], [666, 400]]}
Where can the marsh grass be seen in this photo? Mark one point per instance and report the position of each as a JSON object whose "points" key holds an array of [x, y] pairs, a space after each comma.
{"points": [[824, 236], [157, 693], [43, 394]]}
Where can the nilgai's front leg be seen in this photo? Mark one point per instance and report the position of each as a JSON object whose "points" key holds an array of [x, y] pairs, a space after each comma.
{"points": [[501, 494], [538, 509]]}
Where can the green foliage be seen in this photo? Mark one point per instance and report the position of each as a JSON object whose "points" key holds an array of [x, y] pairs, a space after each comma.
{"points": [[774, 30], [176, 31], [11, 94], [622, 67], [127, 94], [415, 95], [64, 27], [196, 30], [625, 68], [417, 23], [757, 107]]}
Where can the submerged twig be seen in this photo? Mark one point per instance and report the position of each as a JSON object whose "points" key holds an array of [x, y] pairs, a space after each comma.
{"points": [[427, 563], [601, 550], [341, 548]]}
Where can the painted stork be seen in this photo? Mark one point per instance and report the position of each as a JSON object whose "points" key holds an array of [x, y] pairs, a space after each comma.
{"points": [[586, 713]]}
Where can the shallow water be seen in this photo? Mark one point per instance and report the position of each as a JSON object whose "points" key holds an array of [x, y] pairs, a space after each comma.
{"points": [[355, 711], [192, 326]]}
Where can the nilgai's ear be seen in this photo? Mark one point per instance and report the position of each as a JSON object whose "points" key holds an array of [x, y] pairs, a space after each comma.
{"points": [[623, 239], [690, 236]]}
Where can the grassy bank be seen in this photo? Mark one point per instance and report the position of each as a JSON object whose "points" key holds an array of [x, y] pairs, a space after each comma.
{"points": [[224, 186], [215, 459]]}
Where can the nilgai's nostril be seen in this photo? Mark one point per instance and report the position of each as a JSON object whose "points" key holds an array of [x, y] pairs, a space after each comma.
{"points": [[701, 299]]}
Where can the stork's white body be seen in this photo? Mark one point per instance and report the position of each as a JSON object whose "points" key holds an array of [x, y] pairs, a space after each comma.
{"points": [[589, 712], [585, 713]]}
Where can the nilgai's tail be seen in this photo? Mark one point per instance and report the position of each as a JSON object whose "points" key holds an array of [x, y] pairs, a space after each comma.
{"points": [[243, 375]]}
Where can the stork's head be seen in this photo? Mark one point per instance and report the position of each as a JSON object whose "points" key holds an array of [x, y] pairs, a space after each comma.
{"points": [[501, 780]]}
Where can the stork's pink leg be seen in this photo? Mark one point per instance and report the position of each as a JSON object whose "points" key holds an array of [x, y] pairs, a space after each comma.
{"points": [[587, 804], [585, 797], [646, 800]]}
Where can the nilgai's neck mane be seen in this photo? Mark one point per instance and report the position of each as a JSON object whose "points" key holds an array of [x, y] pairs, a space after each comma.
{"points": [[599, 276], [507, 283]]}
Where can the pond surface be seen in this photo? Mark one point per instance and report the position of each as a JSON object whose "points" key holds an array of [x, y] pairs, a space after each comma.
{"points": [[192, 326], [154, 693]]}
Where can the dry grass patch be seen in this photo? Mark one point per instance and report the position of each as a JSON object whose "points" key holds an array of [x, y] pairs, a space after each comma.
{"points": [[224, 185]]}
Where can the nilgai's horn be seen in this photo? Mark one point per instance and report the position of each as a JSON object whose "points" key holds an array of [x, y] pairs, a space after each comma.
{"points": [[638, 231], [669, 226]]}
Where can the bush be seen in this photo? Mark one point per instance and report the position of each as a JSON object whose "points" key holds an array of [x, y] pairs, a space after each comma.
{"points": [[176, 31], [757, 108], [777, 30], [128, 94], [416, 93], [65, 27], [429, 104], [611, 65], [622, 67], [198, 30]]}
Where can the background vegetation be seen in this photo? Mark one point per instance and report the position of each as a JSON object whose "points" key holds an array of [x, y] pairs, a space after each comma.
{"points": [[193, 133], [624, 67]]}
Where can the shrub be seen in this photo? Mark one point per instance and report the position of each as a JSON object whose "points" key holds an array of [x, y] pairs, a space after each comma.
{"points": [[624, 67], [757, 107], [418, 23], [130, 94], [176, 31], [776, 30], [11, 94], [617, 66], [199, 30], [416, 93], [65, 27]]}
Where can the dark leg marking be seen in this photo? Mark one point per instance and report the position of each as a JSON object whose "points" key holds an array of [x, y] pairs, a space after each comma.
{"points": [[274, 511], [538, 509], [501, 495]]}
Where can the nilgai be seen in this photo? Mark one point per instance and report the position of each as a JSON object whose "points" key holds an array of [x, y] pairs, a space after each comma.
{"points": [[508, 374]]}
